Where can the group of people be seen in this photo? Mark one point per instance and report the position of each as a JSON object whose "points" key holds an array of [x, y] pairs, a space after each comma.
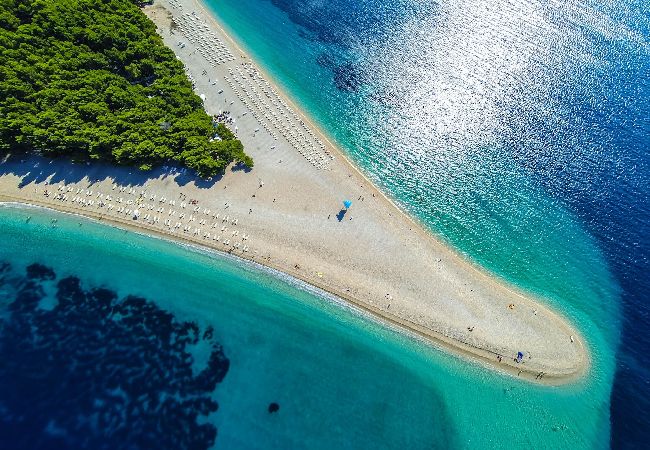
{"points": [[223, 117], [159, 211]]}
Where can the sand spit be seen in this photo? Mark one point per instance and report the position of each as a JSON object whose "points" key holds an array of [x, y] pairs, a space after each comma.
{"points": [[287, 213]]}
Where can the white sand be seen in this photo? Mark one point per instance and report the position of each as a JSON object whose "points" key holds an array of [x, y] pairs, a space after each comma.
{"points": [[376, 257]]}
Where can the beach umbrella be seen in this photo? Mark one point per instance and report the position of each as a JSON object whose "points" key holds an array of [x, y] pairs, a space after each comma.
{"points": [[347, 203], [136, 213]]}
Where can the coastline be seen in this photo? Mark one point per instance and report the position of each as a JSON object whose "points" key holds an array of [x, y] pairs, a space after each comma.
{"points": [[456, 347], [336, 149], [290, 235], [411, 330]]}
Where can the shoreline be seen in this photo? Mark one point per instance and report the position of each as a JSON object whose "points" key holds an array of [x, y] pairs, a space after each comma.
{"points": [[381, 259], [463, 351], [337, 149]]}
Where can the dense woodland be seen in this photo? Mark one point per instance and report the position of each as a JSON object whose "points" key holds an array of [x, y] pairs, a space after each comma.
{"points": [[91, 79]]}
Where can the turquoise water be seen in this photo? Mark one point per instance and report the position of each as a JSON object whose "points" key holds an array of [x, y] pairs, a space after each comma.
{"points": [[515, 131], [341, 381]]}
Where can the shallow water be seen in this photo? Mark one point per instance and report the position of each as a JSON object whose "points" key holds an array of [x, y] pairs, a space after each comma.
{"points": [[340, 380], [516, 131]]}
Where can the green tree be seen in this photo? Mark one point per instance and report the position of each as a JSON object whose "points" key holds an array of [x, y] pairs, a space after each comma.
{"points": [[92, 79]]}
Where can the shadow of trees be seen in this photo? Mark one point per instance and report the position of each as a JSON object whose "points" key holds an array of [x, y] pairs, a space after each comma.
{"points": [[35, 169]]}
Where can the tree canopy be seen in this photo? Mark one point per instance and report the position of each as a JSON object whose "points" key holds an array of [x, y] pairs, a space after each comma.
{"points": [[92, 79]]}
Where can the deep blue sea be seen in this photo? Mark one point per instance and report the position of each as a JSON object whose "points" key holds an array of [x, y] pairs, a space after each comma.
{"points": [[517, 131]]}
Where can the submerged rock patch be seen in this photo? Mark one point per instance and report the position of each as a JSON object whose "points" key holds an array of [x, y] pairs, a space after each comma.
{"points": [[38, 271], [100, 372]]}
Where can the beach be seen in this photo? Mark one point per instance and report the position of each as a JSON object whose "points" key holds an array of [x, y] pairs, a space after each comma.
{"points": [[287, 213]]}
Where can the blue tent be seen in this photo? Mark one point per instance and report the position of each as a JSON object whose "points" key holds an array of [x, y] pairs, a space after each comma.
{"points": [[347, 203], [519, 356]]}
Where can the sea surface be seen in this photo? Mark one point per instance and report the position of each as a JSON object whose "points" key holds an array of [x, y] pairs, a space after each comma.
{"points": [[113, 339], [516, 131]]}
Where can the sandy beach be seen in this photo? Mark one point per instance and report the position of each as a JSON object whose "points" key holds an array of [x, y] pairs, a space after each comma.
{"points": [[287, 213]]}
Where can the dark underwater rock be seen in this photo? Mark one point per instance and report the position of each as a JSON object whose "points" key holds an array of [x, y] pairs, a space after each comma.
{"points": [[99, 372], [38, 271]]}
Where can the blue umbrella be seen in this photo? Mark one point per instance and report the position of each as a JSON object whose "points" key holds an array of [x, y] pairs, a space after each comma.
{"points": [[347, 203]]}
